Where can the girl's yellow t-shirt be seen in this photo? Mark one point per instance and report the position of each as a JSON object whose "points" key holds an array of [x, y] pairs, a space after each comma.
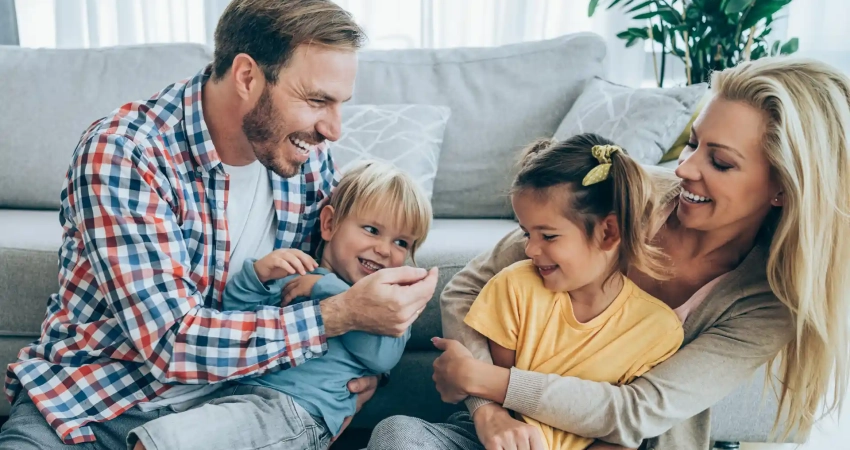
{"points": [[636, 332]]}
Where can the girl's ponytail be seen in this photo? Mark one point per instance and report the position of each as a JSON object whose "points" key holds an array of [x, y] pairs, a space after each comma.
{"points": [[635, 210]]}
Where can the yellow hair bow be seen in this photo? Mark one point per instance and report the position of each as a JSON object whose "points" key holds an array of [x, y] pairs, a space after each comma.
{"points": [[602, 153]]}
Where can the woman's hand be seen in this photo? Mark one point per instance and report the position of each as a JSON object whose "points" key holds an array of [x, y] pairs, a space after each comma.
{"points": [[452, 370], [497, 430]]}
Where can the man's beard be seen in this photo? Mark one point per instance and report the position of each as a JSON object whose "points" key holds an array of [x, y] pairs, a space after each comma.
{"points": [[263, 127]]}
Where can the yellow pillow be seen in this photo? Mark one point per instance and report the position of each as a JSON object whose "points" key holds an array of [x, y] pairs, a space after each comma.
{"points": [[677, 147]]}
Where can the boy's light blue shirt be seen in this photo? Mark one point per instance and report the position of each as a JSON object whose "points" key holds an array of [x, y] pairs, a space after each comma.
{"points": [[318, 385]]}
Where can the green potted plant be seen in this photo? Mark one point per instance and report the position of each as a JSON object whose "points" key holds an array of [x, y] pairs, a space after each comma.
{"points": [[706, 35]]}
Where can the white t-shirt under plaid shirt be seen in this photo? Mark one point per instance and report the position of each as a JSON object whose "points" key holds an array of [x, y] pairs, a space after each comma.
{"points": [[251, 226]]}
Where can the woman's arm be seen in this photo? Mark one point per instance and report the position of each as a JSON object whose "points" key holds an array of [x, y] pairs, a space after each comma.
{"points": [[702, 373], [465, 286]]}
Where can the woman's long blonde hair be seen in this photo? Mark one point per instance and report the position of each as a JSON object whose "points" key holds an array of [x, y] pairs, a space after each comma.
{"points": [[807, 105]]}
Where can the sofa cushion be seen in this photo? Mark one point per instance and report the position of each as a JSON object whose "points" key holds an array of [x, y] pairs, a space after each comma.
{"points": [[644, 121], [9, 348], [53, 95], [411, 392], [29, 267], [501, 99], [410, 137]]}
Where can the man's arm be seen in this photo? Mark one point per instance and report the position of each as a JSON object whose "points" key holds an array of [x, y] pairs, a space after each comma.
{"points": [[136, 250], [378, 353]]}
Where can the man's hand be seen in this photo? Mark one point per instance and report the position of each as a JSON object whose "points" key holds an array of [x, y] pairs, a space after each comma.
{"points": [[282, 263], [385, 303], [451, 370], [497, 430], [364, 388], [299, 287]]}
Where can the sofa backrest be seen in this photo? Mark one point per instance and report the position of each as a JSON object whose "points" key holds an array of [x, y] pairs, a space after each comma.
{"points": [[48, 97], [501, 99]]}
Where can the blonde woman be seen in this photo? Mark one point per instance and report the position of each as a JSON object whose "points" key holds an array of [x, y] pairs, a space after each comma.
{"points": [[756, 235]]}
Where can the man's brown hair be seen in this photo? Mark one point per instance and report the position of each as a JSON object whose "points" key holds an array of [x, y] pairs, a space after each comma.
{"points": [[270, 30]]}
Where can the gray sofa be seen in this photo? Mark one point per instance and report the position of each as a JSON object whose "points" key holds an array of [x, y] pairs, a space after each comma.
{"points": [[501, 98]]}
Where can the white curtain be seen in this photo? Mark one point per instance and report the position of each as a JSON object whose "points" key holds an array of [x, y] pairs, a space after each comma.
{"points": [[388, 23], [821, 26], [102, 23]]}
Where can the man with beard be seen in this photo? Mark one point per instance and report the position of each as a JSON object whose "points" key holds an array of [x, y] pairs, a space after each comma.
{"points": [[166, 197]]}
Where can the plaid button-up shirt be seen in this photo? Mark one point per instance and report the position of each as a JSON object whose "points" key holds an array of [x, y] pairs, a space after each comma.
{"points": [[144, 262]]}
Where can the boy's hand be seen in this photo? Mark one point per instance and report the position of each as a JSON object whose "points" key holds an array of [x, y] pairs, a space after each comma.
{"points": [[299, 287], [284, 262]]}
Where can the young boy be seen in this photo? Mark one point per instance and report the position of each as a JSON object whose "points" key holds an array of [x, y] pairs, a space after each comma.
{"points": [[377, 218]]}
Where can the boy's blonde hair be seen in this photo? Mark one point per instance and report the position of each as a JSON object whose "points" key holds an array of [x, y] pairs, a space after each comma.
{"points": [[376, 187]]}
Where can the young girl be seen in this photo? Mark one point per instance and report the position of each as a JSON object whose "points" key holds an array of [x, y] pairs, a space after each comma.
{"points": [[570, 310], [377, 217]]}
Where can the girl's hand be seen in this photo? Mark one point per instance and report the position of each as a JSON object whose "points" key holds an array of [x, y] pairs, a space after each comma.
{"points": [[452, 370], [282, 263], [497, 430]]}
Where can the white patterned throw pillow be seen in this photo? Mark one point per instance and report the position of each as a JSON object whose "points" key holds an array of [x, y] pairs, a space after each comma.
{"points": [[407, 136], [645, 122]]}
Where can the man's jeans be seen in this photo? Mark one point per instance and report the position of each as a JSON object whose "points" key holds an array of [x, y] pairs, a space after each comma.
{"points": [[26, 429], [238, 416]]}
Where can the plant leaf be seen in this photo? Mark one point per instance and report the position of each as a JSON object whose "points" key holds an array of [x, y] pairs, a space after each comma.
{"points": [[640, 6], [670, 15], [667, 14], [789, 47], [737, 6], [693, 13], [760, 10], [591, 7], [636, 32], [648, 15], [774, 49]]}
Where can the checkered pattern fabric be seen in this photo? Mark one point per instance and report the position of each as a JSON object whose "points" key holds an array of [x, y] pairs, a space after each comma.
{"points": [[144, 262]]}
